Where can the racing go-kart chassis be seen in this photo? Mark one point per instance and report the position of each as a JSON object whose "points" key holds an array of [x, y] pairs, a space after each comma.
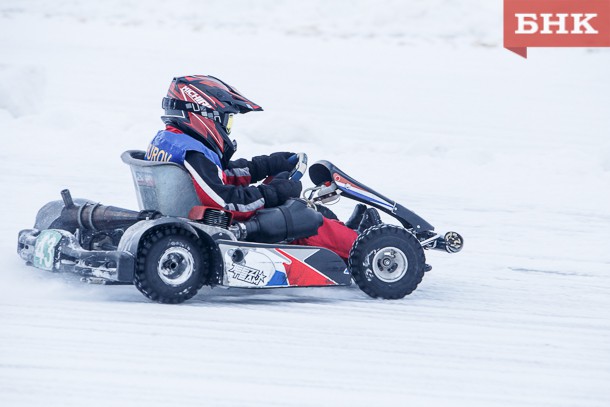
{"points": [[174, 246]]}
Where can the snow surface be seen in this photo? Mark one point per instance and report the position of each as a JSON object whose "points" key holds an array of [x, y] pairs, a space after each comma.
{"points": [[415, 98]]}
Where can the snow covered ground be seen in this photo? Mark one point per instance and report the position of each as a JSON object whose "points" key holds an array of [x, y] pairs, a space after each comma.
{"points": [[415, 98]]}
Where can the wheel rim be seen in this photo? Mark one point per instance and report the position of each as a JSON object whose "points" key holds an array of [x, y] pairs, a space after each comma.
{"points": [[176, 266], [389, 264]]}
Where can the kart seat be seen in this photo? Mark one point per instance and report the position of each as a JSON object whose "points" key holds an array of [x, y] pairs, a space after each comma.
{"points": [[162, 186]]}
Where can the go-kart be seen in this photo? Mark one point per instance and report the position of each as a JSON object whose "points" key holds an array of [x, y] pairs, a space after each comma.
{"points": [[174, 246]]}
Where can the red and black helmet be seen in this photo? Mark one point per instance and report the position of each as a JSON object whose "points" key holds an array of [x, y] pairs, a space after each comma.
{"points": [[203, 107]]}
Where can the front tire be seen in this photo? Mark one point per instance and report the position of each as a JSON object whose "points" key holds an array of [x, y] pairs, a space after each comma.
{"points": [[387, 262], [171, 266]]}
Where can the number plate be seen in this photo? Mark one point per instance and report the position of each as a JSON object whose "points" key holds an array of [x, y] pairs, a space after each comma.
{"points": [[44, 251]]}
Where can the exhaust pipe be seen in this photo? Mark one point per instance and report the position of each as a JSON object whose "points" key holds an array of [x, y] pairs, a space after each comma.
{"points": [[69, 216], [67, 198]]}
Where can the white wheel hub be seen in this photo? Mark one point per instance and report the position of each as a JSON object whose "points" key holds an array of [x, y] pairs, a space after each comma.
{"points": [[389, 264], [176, 266]]}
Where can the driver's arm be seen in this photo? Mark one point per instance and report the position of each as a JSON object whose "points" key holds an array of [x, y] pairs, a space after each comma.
{"points": [[244, 172], [213, 190]]}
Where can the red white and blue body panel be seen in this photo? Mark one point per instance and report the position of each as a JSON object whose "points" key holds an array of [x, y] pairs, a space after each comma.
{"points": [[256, 265]]}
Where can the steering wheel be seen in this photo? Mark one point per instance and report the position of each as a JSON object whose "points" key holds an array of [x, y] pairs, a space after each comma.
{"points": [[300, 166]]}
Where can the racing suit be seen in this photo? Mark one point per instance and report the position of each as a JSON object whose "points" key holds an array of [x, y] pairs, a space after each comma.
{"points": [[230, 187]]}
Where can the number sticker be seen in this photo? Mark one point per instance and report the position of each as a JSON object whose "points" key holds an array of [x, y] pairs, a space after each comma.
{"points": [[44, 251]]}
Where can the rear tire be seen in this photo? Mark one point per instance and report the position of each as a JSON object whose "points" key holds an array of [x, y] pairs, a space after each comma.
{"points": [[387, 261], [171, 266]]}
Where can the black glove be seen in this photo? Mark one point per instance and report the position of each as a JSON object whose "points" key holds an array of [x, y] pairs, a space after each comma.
{"points": [[264, 165], [280, 190]]}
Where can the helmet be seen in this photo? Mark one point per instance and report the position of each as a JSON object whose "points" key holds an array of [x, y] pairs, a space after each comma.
{"points": [[203, 107]]}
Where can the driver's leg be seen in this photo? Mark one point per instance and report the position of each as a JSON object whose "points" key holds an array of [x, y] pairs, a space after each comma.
{"points": [[334, 236]]}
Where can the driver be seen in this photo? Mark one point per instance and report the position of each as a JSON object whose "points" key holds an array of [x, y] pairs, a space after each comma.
{"points": [[199, 112]]}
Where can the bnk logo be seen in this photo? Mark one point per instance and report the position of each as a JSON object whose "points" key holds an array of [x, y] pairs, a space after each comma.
{"points": [[556, 23]]}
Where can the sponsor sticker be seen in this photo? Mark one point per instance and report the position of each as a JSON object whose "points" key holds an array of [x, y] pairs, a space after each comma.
{"points": [[144, 179], [248, 274]]}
